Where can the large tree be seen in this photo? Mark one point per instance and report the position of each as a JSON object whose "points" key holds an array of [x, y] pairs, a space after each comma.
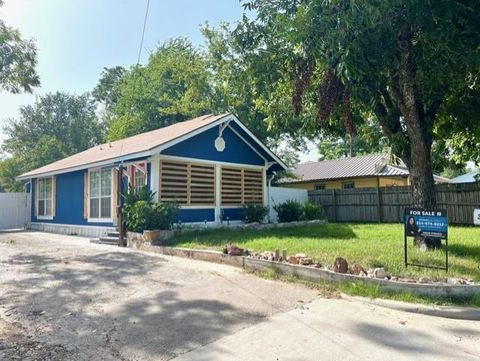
{"points": [[18, 58], [56, 126], [400, 61], [172, 87]]}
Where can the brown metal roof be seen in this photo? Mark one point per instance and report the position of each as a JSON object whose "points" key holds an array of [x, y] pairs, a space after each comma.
{"points": [[136, 144]]}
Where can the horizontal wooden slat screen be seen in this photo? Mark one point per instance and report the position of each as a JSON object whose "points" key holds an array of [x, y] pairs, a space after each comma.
{"points": [[187, 183], [232, 186], [240, 186], [253, 186], [202, 184]]}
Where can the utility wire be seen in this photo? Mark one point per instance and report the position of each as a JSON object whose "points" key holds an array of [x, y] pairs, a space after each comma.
{"points": [[143, 32]]}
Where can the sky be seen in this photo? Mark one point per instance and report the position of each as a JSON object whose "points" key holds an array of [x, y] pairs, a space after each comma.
{"points": [[76, 39]]}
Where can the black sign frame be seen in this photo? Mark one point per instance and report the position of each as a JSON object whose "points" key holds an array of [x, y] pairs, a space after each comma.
{"points": [[445, 236]]}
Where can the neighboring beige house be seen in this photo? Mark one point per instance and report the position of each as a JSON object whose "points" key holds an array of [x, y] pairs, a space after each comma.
{"points": [[373, 170]]}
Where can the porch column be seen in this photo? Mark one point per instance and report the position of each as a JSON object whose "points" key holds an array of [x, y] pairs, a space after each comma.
{"points": [[155, 176], [218, 193]]}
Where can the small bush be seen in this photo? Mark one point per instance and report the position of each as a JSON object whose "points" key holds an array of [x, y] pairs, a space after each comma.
{"points": [[164, 214], [141, 213], [289, 211], [253, 213], [313, 211]]}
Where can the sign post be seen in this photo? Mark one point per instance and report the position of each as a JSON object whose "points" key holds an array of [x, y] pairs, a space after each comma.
{"points": [[431, 226]]}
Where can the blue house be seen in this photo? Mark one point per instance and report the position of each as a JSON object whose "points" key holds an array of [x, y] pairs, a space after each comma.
{"points": [[209, 165]]}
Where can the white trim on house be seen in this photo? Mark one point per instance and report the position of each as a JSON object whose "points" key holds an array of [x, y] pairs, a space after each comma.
{"points": [[247, 143], [70, 229], [45, 218], [155, 150], [206, 161], [112, 206]]}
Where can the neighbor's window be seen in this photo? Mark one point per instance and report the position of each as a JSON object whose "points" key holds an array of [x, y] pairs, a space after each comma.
{"points": [[44, 197], [101, 194], [320, 187], [348, 185]]}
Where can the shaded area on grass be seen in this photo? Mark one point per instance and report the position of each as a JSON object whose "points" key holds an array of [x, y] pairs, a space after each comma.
{"points": [[370, 245]]}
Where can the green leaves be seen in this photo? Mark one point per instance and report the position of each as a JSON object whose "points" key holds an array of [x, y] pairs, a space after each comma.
{"points": [[18, 59]]}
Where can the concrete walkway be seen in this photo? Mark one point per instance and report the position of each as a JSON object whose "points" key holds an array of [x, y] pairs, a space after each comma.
{"points": [[65, 299]]}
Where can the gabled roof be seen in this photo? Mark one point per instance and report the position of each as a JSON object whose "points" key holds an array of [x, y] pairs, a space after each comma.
{"points": [[372, 165], [138, 146]]}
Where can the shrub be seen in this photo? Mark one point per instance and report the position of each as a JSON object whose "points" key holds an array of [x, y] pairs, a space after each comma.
{"points": [[141, 213], [253, 213], [289, 211], [164, 214], [312, 211]]}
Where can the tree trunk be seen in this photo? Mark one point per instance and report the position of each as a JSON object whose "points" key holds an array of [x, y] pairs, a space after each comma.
{"points": [[418, 127]]}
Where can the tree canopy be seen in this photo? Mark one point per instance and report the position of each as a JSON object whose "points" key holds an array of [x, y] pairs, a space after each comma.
{"points": [[172, 87], [56, 126], [399, 61], [18, 59]]}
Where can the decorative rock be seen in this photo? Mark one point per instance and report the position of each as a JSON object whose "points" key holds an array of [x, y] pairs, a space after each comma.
{"points": [[305, 261], [452, 281], [340, 265], [292, 260], [301, 255], [423, 280], [358, 270], [379, 273], [234, 250]]}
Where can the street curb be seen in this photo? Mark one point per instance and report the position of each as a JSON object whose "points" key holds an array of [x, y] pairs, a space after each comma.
{"points": [[452, 312]]}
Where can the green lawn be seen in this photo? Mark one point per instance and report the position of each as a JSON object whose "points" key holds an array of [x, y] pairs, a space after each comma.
{"points": [[371, 245]]}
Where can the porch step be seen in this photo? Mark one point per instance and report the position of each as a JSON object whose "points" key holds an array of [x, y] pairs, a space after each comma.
{"points": [[113, 241], [113, 234]]}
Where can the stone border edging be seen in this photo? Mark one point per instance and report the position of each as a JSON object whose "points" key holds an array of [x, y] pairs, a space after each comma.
{"points": [[312, 274], [457, 313]]}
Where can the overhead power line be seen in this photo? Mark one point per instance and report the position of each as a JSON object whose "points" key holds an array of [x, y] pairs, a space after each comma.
{"points": [[143, 32]]}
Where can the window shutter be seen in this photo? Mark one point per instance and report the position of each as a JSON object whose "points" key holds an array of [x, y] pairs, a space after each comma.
{"points": [[85, 195], [114, 192], [36, 197], [54, 195]]}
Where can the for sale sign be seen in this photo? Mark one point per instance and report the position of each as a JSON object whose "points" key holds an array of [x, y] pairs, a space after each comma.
{"points": [[476, 217], [424, 223]]}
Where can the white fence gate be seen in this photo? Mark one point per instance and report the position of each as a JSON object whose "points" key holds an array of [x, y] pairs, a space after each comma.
{"points": [[280, 194], [14, 210]]}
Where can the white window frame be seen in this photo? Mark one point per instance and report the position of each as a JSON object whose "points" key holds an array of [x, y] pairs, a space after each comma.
{"points": [[143, 176], [44, 216], [100, 219]]}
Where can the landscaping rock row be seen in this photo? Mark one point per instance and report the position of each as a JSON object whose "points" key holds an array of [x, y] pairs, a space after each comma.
{"points": [[340, 265], [305, 268]]}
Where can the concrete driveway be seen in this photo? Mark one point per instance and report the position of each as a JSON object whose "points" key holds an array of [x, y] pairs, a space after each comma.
{"points": [[63, 298]]}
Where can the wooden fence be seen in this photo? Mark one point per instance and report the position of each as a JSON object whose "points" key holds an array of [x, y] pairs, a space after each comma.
{"points": [[388, 204]]}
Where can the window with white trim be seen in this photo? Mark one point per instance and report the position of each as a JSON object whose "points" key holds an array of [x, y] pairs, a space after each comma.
{"points": [[140, 178], [45, 197], [101, 194]]}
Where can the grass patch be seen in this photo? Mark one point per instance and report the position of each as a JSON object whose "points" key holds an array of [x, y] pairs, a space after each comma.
{"points": [[370, 245]]}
